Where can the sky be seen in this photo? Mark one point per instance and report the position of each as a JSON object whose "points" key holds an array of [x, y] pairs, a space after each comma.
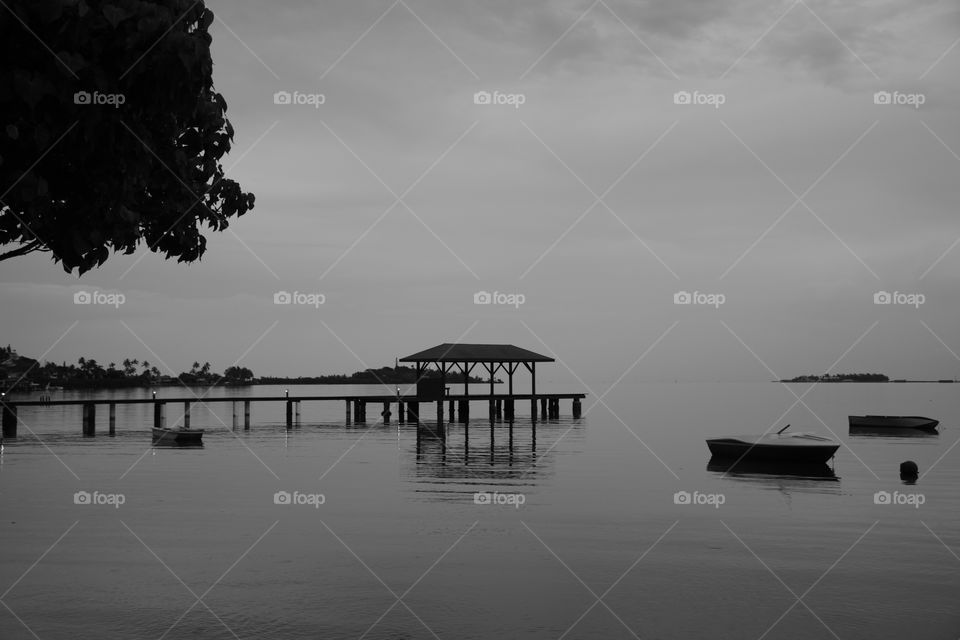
{"points": [[789, 168]]}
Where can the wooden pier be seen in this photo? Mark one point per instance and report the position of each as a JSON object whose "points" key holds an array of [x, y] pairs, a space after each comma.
{"points": [[430, 389], [454, 407]]}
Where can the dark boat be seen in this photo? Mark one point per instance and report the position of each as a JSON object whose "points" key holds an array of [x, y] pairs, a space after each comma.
{"points": [[918, 423], [780, 446], [179, 437]]}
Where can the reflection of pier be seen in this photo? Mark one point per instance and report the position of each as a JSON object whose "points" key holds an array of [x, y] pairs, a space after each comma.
{"points": [[484, 450]]}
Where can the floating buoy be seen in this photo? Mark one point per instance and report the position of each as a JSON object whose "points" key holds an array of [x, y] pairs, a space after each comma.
{"points": [[909, 469]]}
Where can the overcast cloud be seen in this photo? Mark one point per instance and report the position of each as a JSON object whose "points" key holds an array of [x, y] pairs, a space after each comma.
{"points": [[598, 198]]}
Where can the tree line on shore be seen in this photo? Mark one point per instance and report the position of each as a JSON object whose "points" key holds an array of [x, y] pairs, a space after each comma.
{"points": [[25, 373], [22, 373]]}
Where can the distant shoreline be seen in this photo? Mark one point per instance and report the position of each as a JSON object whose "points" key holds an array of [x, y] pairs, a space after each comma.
{"points": [[902, 381]]}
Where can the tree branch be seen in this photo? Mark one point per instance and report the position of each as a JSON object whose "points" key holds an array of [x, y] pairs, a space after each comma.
{"points": [[30, 247]]}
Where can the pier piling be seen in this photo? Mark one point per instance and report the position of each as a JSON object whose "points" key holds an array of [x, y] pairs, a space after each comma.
{"points": [[9, 420], [246, 415], [158, 417], [186, 415], [113, 419], [89, 419]]}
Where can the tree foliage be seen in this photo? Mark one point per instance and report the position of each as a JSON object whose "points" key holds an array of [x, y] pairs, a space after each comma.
{"points": [[238, 374], [110, 130]]}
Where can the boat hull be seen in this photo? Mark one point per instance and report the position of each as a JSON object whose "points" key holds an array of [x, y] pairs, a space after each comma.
{"points": [[733, 449], [177, 436], [918, 423]]}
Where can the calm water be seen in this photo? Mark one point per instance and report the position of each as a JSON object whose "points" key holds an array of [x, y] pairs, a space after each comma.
{"points": [[399, 549]]}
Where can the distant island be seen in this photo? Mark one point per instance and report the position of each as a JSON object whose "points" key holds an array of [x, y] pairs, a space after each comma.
{"points": [[841, 377], [856, 377], [21, 373]]}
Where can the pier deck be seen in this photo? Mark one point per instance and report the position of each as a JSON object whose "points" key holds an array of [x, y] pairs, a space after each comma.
{"points": [[500, 406]]}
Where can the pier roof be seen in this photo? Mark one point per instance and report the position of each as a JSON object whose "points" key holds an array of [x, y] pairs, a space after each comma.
{"points": [[460, 352]]}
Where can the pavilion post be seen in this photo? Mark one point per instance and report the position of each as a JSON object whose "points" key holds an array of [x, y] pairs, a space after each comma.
{"points": [[489, 368]]}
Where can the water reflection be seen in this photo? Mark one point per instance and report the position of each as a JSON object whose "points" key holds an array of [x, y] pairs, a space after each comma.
{"points": [[761, 469], [890, 432], [480, 450], [165, 444]]}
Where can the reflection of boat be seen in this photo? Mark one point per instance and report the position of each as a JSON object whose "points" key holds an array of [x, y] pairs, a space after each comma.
{"points": [[918, 423], [779, 446], [766, 468], [893, 432], [163, 435]]}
